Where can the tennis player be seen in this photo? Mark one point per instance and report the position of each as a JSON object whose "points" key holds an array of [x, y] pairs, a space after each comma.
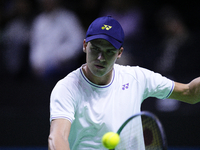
{"points": [[100, 95]]}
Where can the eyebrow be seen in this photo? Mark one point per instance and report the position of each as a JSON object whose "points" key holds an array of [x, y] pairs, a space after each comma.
{"points": [[93, 44], [113, 48]]}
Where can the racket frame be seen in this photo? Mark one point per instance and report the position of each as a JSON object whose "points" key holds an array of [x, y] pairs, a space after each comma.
{"points": [[152, 116]]}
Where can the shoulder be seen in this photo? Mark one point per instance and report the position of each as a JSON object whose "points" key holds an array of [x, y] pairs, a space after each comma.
{"points": [[69, 83], [140, 75], [68, 87], [72, 78], [134, 71]]}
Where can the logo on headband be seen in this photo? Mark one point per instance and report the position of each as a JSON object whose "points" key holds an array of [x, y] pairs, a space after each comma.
{"points": [[107, 27]]}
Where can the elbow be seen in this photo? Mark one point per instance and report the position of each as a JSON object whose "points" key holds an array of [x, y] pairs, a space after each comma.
{"points": [[57, 143], [50, 143]]}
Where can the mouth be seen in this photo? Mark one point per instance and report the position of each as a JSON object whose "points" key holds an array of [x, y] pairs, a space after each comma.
{"points": [[99, 66]]}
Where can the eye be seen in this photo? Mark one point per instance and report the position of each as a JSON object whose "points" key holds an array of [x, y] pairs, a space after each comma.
{"points": [[94, 48], [111, 51]]}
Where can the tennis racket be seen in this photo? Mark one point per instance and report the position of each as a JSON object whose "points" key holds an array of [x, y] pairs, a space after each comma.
{"points": [[142, 131]]}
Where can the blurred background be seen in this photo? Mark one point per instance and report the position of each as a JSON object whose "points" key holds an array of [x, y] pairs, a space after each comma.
{"points": [[41, 42]]}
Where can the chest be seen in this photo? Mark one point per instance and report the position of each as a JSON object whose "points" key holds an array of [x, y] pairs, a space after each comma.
{"points": [[108, 108]]}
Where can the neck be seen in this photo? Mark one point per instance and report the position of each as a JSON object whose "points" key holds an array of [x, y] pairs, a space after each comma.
{"points": [[104, 80]]}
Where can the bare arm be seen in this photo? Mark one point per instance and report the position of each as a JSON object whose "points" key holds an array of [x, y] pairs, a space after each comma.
{"points": [[59, 132], [189, 93]]}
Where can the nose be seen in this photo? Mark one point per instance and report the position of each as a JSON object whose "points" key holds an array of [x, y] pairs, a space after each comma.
{"points": [[101, 56]]}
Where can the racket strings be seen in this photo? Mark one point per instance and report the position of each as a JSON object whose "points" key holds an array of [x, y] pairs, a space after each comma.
{"points": [[140, 133], [132, 136], [152, 134]]}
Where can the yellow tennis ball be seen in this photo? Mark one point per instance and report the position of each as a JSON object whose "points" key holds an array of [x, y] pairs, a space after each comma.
{"points": [[110, 140]]}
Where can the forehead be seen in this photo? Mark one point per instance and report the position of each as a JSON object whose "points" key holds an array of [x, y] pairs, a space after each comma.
{"points": [[102, 43]]}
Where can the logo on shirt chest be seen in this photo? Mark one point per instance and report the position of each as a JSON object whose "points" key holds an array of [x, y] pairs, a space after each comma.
{"points": [[125, 86]]}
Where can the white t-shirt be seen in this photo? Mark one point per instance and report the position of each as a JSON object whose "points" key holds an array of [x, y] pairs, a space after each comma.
{"points": [[94, 110]]}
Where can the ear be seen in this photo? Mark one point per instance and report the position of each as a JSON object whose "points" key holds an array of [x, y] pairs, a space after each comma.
{"points": [[120, 52], [84, 45]]}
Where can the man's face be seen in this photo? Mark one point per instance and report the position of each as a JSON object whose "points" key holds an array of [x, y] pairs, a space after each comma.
{"points": [[101, 56]]}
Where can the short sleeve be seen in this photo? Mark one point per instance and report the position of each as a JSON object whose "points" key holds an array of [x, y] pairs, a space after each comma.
{"points": [[62, 104], [156, 85]]}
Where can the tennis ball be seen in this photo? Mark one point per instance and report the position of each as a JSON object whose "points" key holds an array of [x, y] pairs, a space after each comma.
{"points": [[110, 140]]}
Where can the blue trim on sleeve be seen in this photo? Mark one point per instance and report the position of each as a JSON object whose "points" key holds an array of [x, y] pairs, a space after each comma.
{"points": [[61, 117], [171, 89]]}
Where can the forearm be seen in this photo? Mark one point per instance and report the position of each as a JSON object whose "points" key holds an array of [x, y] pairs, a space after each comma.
{"points": [[194, 88], [59, 133], [188, 93], [58, 143]]}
